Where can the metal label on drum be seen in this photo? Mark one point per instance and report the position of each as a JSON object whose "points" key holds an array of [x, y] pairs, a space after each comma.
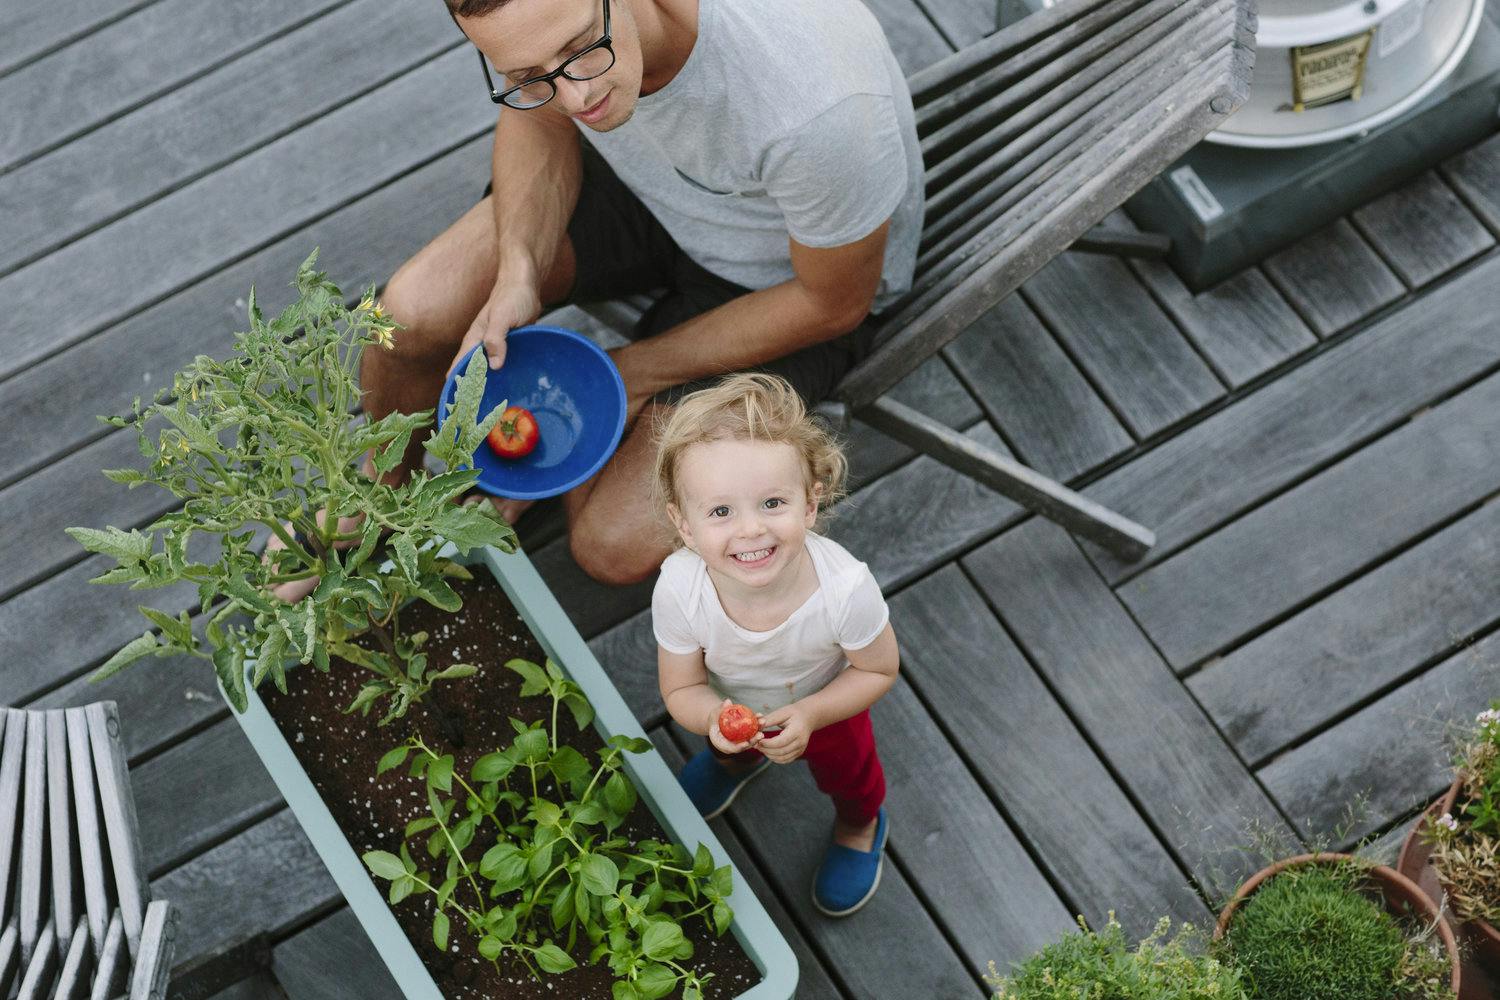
{"points": [[1329, 72]]}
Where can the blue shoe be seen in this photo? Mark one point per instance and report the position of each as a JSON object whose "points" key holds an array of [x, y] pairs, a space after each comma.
{"points": [[709, 784], [848, 878]]}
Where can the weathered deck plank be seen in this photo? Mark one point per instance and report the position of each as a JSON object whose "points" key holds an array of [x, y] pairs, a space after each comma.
{"points": [[1125, 697], [332, 958], [784, 819], [813, 980], [1333, 278], [131, 63], [109, 274], [1422, 230], [27, 31], [1475, 174], [361, 244], [1242, 325], [1290, 682], [279, 878], [1277, 435], [1023, 748], [1263, 565], [200, 127], [1393, 755], [1034, 394], [1121, 338]]}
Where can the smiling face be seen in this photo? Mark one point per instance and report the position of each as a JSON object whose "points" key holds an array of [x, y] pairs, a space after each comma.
{"points": [[529, 38], [744, 507]]}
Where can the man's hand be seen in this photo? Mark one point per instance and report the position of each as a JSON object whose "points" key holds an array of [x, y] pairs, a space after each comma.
{"points": [[796, 727], [508, 307]]}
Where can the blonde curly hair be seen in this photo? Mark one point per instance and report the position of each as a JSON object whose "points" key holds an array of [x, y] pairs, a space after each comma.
{"points": [[751, 406]]}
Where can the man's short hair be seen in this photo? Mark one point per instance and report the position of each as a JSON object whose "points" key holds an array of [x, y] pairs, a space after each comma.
{"points": [[474, 8]]}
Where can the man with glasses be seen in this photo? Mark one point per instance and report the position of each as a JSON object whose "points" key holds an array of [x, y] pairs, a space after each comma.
{"points": [[755, 161]]}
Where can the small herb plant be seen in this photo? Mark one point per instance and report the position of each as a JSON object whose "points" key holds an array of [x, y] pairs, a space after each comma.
{"points": [[263, 439], [1466, 844], [1311, 933], [1103, 966], [553, 864]]}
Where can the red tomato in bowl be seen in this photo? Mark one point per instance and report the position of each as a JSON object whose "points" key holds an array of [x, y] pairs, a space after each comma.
{"points": [[516, 434], [737, 723]]}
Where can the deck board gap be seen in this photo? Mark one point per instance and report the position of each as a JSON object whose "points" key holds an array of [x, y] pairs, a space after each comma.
{"points": [[1098, 389], [83, 32]]}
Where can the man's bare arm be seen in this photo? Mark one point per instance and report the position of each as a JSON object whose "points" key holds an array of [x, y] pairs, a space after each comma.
{"points": [[830, 296], [537, 170]]}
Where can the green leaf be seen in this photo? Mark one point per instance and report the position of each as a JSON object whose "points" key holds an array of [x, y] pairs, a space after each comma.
{"points": [[490, 947], [533, 745], [501, 922], [406, 556], [703, 861], [661, 939], [562, 907], [229, 665], [624, 989], [138, 648], [535, 679], [400, 889], [440, 930], [125, 546], [723, 917], [469, 527], [384, 864], [545, 813], [655, 981], [388, 457], [553, 959], [440, 773], [493, 766], [722, 882], [130, 477], [600, 875], [393, 758], [568, 764], [454, 672], [630, 744], [541, 861], [692, 992], [435, 591], [418, 825], [583, 712], [619, 793], [503, 864], [588, 813]]}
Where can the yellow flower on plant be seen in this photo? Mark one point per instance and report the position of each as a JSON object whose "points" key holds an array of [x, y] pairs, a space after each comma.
{"points": [[385, 336]]}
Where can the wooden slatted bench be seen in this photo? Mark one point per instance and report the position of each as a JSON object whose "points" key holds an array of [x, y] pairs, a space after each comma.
{"points": [[78, 921]]}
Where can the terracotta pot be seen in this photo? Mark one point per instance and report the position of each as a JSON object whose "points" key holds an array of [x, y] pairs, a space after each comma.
{"points": [[1478, 936], [1401, 895]]}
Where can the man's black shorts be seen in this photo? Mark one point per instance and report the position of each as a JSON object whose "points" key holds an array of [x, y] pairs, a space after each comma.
{"points": [[622, 250]]}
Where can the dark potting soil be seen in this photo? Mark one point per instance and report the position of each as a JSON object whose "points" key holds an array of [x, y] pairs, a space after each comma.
{"points": [[340, 753]]}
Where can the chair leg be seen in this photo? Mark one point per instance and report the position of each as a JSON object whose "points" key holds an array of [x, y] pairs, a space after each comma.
{"points": [[1035, 492], [1123, 243]]}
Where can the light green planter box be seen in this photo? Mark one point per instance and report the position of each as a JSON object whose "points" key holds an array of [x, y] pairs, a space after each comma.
{"points": [[658, 788]]}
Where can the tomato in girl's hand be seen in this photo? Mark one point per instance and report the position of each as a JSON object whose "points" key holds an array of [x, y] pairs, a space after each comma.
{"points": [[516, 434], [737, 723]]}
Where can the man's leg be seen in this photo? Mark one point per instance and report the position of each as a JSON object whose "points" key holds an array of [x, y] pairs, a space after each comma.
{"points": [[435, 296], [616, 534]]}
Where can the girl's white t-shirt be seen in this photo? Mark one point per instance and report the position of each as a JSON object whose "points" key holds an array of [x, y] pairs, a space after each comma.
{"points": [[771, 669]]}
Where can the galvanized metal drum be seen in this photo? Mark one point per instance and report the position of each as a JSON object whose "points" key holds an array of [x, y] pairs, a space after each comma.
{"points": [[1329, 69]]}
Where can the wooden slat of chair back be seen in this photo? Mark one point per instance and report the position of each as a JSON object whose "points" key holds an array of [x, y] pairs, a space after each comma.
{"points": [[1027, 166], [1085, 180]]}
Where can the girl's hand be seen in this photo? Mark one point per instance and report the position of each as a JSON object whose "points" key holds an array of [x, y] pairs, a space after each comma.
{"points": [[717, 738], [789, 744]]}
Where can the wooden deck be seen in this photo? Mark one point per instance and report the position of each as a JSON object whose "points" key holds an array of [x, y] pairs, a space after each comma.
{"points": [[1315, 442]]}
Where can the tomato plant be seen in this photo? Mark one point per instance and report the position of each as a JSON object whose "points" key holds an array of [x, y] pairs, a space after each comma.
{"points": [[737, 723], [516, 435]]}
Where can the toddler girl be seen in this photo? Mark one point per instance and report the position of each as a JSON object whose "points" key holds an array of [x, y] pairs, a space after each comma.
{"points": [[758, 609]]}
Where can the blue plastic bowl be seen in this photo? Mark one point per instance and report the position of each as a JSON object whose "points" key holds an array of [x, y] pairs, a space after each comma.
{"points": [[578, 398]]}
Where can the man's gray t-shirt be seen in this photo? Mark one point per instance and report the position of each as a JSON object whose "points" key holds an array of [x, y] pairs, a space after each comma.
{"points": [[789, 118]]}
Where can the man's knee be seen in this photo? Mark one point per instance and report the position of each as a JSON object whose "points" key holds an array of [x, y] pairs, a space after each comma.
{"points": [[610, 557], [420, 341]]}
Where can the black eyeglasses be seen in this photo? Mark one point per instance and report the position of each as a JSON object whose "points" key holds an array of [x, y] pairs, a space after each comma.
{"points": [[592, 62]]}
